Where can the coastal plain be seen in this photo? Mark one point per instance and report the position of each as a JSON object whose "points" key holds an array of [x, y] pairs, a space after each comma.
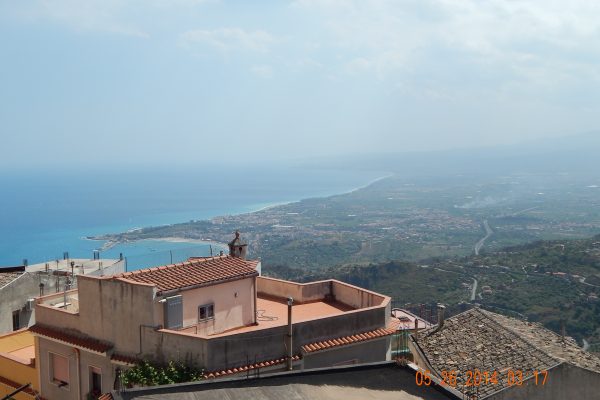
{"points": [[520, 244]]}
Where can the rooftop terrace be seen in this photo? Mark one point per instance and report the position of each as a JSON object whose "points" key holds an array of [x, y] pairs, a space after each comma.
{"points": [[311, 301], [65, 301], [82, 265], [18, 346], [272, 312]]}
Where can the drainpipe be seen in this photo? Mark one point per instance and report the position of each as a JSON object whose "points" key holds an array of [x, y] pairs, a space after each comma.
{"points": [[78, 359], [255, 295], [290, 302]]}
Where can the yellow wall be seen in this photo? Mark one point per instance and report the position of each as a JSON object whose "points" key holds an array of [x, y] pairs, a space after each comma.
{"points": [[14, 370], [16, 340]]}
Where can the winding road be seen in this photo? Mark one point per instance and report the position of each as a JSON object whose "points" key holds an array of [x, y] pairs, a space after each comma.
{"points": [[488, 232], [474, 291]]}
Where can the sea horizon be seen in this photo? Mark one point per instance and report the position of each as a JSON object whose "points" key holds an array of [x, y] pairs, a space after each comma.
{"points": [[40, 230]]}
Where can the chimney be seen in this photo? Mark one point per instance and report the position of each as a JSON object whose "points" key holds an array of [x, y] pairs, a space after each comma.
{"points": [[416, 328], [237, 248], [441, 309]]}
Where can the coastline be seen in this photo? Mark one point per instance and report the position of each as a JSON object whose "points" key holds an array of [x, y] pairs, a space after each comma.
{"points": [[186, 240], [368, 184], [110, 243], [284, 203]]}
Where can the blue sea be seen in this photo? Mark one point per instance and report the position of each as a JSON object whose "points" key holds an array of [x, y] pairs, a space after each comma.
{"points": [[44, 214]]}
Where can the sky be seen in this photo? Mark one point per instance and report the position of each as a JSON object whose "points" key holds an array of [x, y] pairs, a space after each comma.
{"points": [[111, 82]]}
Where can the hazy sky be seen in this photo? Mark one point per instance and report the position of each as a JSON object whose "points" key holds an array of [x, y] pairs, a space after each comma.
{"points": [[169, 81]]}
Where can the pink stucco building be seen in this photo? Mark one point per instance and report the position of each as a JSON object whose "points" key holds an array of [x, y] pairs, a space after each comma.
{"points": [[216, 313]]}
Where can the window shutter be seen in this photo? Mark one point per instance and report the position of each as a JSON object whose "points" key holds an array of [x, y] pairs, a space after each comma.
{"points": [[60, 368], [174, 312]]}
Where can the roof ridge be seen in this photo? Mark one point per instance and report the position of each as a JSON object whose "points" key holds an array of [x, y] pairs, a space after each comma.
{"points": [[192, 273], [170, 266]]}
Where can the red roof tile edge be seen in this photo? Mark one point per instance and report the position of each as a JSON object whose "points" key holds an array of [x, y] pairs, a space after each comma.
{"points": [[244, 368], [106, 396], [135, 277], [122, 358], [191, 261], [16, 385], [80, 341], [346, 340]]}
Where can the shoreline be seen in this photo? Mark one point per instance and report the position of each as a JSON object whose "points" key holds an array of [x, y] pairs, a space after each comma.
{"points": [[109, 243], [285, 203], [175, 239]]}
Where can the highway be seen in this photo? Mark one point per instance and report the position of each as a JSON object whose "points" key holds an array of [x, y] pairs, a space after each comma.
{"points": [[488, 232], [474, 291]]}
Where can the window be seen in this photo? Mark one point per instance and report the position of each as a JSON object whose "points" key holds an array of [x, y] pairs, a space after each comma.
{"points": [[59, 370], [95, 380], [16, 321], [205, 312]]}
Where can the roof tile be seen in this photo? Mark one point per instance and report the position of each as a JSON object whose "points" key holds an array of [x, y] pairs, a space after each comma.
{"points": [[474, 340], [346, 340], [193, 273], [124, 358], [76, 339], [262, 364]]}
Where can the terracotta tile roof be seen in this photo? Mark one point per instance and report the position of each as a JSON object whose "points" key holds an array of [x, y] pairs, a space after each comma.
{"points": [[346, 340], [124, 358], [75, 339], [244, 368], [106, 396], [193, 273], [474, 340], [15, 385]]}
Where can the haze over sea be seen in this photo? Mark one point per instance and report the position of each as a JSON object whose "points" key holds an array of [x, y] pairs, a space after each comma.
{"points": [[45, 214]]}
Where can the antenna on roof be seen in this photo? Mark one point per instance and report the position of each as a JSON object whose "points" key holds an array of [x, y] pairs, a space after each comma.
{"points": [[210, 246]]}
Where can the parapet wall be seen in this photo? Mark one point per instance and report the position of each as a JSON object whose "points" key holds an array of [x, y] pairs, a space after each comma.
{"points": [[234, 350], [46, 314], [357, 297], [350, 295]]}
